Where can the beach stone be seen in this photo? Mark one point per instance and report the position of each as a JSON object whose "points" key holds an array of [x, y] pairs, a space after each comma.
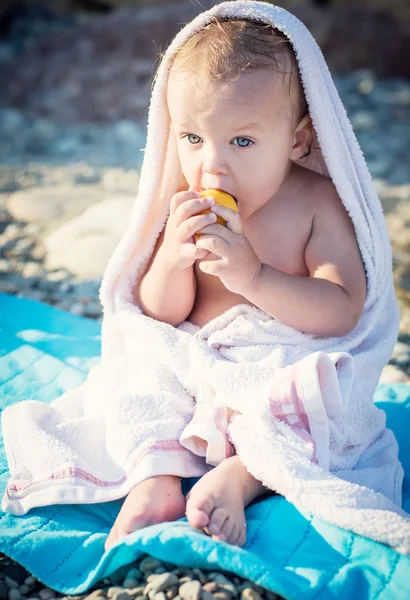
{"points": [[134, 573], [401, 349], [225, 584], [46, 594], [206, 595], [8, 287], [129, 583], [121, 595], [392, 374], [190, 590], [222, 594], [200, 575], [10, 582], [54, 206], [159, 583], [137, 591], [250, 594], [24, 589], [172, 592], [113, 590], [210, 587], [84, 245], [14, 594], [30, 580], [160, 596]]}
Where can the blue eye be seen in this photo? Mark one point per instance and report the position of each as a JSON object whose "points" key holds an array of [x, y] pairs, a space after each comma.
{"points": [[196, 139], [243, 142]]}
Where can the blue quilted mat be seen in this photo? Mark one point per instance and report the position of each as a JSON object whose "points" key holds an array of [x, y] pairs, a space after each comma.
{"points": [[43, 352]]}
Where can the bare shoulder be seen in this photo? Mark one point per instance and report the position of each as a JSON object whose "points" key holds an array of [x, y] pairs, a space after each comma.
{"points": [[332, 251]]}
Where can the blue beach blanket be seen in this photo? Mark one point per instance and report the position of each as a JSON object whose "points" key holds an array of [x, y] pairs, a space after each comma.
{"points": [[44, 352]]}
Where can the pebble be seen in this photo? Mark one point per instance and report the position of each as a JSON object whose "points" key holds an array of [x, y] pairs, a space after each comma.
{"points": [[130, 583], [392, 374], [113, 590], [210, 587], [46, 594], [190, 590], [10, 582], [14, 594], [250, 594], [121, 595], [161, 582]]}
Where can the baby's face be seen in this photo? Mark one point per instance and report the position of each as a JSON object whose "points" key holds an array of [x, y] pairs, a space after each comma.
{"points": [[234, 136]]}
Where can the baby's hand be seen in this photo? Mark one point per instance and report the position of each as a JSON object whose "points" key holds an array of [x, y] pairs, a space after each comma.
{"points": [[233, 259], [183, 222]]}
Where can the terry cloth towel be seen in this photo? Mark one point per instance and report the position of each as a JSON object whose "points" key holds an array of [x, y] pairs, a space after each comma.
{"points": [[44, 352], [125, 423]]}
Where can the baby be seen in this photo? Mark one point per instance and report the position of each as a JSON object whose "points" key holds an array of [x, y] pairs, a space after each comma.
{"points": [[242, 125]]}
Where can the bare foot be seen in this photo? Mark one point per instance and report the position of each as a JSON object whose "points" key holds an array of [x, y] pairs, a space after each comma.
{"points": [[152, 501], [217, 501]]}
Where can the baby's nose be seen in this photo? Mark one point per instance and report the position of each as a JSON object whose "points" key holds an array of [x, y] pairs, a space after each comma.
{"points": [[214, 164]]}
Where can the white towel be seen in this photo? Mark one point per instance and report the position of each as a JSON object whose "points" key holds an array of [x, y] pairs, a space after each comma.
{"points": [[298, 410]]}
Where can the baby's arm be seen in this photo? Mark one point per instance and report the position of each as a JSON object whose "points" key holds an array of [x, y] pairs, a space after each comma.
{"points": [[330, 301], [166, 293]]}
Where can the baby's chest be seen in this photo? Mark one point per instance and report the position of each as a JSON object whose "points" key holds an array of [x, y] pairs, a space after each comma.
{"points": [[281, 244]]}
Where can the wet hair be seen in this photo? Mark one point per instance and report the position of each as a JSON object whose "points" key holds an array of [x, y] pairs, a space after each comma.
{"points": [[225, 48]]}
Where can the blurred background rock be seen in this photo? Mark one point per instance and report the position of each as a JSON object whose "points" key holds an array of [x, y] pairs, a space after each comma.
{"points": [[76, 79]]}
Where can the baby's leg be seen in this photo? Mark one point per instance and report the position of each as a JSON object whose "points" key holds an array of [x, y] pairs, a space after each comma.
{"points": [[144, 424], [218, 500], [155, 500]]}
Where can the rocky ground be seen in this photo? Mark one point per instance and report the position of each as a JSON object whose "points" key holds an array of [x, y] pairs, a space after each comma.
{"points": [[147, 579], [66, 189]]}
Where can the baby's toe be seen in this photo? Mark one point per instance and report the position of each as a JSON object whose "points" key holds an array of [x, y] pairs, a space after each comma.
{"points": [[217, 520], [198, 511], [241, 537], [228, 532]]}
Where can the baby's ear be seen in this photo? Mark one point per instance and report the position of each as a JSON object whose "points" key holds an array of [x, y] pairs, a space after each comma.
{"points": [[302, 138]]}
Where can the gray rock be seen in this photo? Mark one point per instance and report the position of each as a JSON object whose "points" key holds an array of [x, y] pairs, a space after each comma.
{"points": [[129, 583], [161, 582], [250, 594], [10, 582], [121, 595], [84, 245], [46, 594], [50, 207], [392, 374], [8, 287], [191, 590]]}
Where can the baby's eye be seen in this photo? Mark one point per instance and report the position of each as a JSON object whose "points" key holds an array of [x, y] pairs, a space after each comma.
{"points": [[243, 142], [192, 138]]}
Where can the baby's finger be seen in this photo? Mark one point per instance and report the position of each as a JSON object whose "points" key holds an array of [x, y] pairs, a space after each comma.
{"points": [[181, 197], [232, 218], [213, 244]]}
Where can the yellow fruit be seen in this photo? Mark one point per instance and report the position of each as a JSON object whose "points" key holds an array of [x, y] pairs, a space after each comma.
{"points": [[221, 198]]}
